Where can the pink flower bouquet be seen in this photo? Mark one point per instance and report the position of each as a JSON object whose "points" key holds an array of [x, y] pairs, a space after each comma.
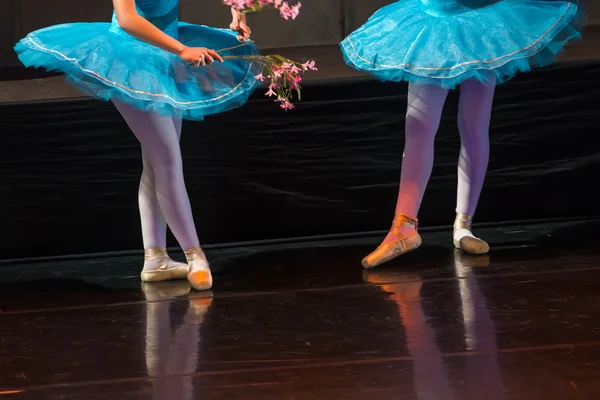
{"points": [[285, 77], [283, 74], [248, 6]]}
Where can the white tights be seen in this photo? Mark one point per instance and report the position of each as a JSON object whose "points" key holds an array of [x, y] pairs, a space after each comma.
{"points": [[425, 104], [163, 197]]}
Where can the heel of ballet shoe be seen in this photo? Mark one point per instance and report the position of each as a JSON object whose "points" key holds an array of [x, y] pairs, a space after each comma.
{"points": [[456, 243], [199, 276], [200, 279]]}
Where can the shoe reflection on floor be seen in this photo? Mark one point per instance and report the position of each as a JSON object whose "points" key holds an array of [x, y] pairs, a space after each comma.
{"points": [[172, 349], [431, 378]]}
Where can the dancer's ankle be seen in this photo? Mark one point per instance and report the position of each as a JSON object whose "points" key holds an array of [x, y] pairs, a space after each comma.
{"points": [[403, 226], [462, 226], [196, 258], [399, 234], [194, 253]]}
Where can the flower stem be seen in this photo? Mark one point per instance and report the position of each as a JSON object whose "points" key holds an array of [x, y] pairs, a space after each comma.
{"points": [[259, 58], [236, 47]]}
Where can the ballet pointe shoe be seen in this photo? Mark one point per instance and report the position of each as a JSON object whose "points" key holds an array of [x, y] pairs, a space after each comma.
{"points": [[199, 276], [388, 251], [463, 238], [161, 271]]}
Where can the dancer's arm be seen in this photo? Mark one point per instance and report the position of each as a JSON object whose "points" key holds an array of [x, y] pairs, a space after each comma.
{"points": [[136, 25], [240, 25]]}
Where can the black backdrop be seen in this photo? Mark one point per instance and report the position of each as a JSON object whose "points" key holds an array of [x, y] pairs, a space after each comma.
{"points": [[70, 169], [320, 22]]}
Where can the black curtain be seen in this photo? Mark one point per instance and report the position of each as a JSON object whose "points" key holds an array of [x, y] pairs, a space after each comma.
{"points": [[70, 169]]}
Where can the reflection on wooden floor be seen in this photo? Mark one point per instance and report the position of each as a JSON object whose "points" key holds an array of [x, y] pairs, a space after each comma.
{"points": [[304, 321]]}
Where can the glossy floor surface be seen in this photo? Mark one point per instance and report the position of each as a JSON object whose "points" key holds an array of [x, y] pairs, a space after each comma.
{"points": [[304, 321]]}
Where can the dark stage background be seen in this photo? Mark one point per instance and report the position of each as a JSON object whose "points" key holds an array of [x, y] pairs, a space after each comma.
{"points": [[70, 169], [321, 22]]}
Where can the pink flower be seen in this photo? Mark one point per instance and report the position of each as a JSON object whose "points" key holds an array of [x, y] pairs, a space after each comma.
{"points": [[296, 10], [309, 65], [236, 4], [283, 74], [285, 10], [288, 12], [271, 92], [293, 77], [295, 81], [278, 72], [286, 105]]}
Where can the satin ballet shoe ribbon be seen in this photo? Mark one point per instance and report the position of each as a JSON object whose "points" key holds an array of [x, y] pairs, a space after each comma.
{"points": [[463, 221], [194, 254], [156, 253]]}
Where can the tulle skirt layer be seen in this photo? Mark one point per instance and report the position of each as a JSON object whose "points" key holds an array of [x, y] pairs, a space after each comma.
{"points": [[413, 40], [109, 65]]}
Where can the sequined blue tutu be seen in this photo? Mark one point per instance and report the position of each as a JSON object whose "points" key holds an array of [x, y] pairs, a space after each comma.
{"points": [[102, 60], [444, 42]]}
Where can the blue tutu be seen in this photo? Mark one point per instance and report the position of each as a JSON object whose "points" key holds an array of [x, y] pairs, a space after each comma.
{"points": [[101, 60], [444, 42]]}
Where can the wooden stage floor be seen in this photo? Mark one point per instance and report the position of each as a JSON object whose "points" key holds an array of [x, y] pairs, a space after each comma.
{"points": [[304, 321]]}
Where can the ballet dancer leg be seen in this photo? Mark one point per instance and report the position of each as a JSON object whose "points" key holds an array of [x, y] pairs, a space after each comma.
{"points": [[475, 108], [160, 143], [425, 104], [158, 266]]}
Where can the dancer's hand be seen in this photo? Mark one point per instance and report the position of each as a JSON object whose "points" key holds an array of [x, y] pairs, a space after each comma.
{"points": [[199, 56], [239, 25]]}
